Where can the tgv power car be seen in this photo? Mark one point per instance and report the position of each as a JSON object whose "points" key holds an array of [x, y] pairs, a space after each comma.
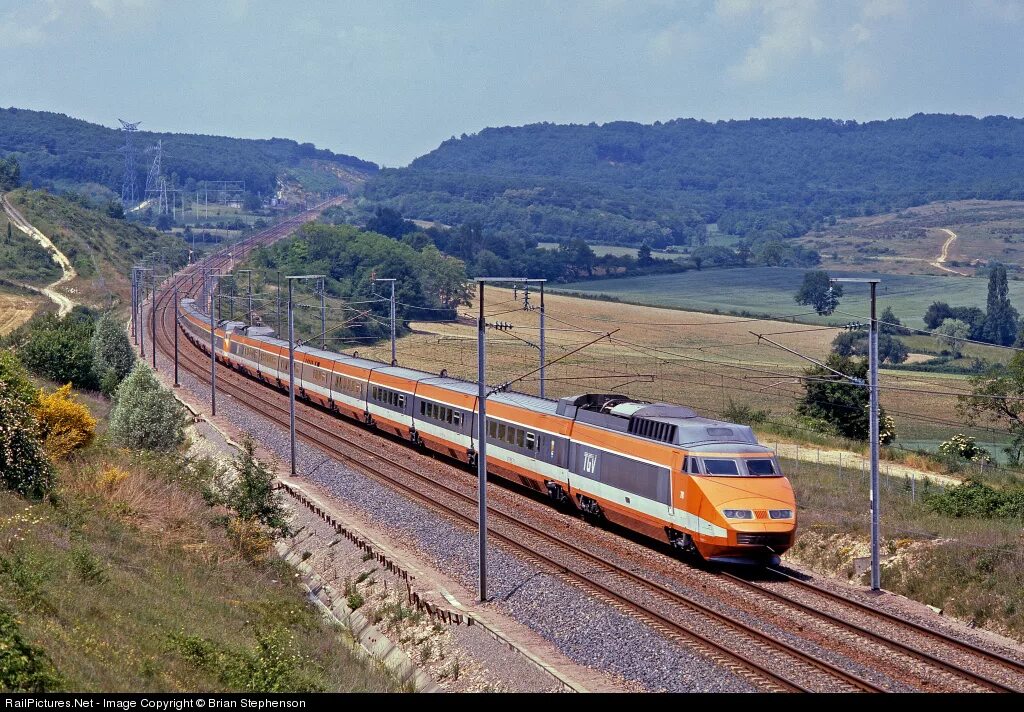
{"points": [[702, 485]]}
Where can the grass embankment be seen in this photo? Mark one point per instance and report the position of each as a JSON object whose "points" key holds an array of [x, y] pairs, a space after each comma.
{"points": [[17, 306], [970, 566], [101, 249], [22, 259], [126, 580]]}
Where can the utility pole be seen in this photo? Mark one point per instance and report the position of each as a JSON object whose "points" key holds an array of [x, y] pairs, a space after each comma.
{"points": [[291, 361], [212, 291], [481, 430], [543, 357], [152, 316], [323, 314], [481, 447], [175, 305], [135, 306], [278, 332], [141, 307], [394, 357], [528, 307], [876, 577]]}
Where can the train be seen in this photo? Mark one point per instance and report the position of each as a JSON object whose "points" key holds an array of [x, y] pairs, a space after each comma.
{"points": [[703, 486]]}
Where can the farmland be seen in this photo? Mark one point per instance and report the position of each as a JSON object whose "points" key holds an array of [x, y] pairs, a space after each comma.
{"points": [[16, 309], [709, 362], [908, 242], [769, 291]]}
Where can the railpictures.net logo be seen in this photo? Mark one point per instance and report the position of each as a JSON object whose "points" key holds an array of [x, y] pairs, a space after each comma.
{"points": [[156, 705]]}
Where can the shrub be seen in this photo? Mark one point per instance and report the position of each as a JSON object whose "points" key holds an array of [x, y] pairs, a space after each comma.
{"points": [[64, 423], [275, 665], [249, 538], [145, 415], [23, 667], [15, 379], [745, 414], [251, 492], [976, 499], [24, 466], [112, 354], [58, 349], [963, 447]]}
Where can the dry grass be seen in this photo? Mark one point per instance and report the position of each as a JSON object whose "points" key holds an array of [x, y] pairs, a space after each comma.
{"points": [[906, 242], [974, 568], [701, 360], [129, 582], [16, 309]]}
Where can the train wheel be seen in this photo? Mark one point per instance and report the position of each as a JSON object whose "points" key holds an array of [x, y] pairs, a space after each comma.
{"points": [[592, 511], [681, 541]]}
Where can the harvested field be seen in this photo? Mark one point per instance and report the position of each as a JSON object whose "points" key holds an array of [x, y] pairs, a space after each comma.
{"points": [[709, 362], [16, 309]]}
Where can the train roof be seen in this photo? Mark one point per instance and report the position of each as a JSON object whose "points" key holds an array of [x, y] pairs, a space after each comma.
{"points": [[664, 422]]}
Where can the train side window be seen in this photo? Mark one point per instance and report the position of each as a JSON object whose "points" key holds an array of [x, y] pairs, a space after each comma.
{"points": [[401, 401], [501, 431], [456, 418], [492, 429], [423, 407], [520, 437], [531, 441]]}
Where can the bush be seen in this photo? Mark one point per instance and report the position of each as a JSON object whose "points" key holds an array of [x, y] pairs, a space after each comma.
{"points": [[145, 415], [23, 667], [15, 379], [112, 354], [23, 464], [250, 492], [274, 665], [745, 414], [65, 424], [58, 349], [963, 447], [976, 499]]}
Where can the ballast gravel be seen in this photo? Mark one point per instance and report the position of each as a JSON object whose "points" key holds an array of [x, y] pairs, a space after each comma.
{"points": [[587, 630]]}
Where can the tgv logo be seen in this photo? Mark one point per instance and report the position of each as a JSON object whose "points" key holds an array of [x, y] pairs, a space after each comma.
{"points": [[589, 462]]}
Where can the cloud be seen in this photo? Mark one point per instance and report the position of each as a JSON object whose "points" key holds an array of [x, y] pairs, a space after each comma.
{"points": [[676, 39], [1011, 11], [27, 25], [789, 32], [112, 8]]}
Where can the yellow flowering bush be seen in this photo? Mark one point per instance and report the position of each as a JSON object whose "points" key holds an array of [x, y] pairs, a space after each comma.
{"points": [[65, 424]]}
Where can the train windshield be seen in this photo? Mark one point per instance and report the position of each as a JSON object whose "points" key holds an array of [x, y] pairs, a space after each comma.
{"points": [[760, 468], [733, 468], [721, 467]]}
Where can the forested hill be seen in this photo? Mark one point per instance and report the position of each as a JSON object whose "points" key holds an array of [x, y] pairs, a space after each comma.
{"points": [[763, 178], [59, 151]]}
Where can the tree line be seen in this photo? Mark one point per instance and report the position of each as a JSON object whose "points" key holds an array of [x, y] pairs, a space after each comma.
{"points": [[763, 179], [55, 150]]}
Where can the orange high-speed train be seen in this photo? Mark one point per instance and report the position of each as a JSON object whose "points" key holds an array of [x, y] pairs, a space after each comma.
{"points": [[702, 485]]}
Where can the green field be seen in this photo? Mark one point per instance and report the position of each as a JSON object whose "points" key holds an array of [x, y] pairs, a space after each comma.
{"points": [[769, 290], [616, 250]]}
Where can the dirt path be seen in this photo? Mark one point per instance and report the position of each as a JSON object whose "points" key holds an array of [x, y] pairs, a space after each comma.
{"points": [[852, 460], [944, 255], [64, 304]]}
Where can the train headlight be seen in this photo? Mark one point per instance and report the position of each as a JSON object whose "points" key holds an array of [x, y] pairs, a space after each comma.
{"points": [[780, 513], [738, 514]]}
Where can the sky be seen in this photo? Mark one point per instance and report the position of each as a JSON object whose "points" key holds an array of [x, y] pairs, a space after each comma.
{"points": [[389, 80]]}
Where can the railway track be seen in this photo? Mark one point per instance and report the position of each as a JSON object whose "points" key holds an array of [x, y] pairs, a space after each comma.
{"points": [[986, 669], [665, 609]]}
